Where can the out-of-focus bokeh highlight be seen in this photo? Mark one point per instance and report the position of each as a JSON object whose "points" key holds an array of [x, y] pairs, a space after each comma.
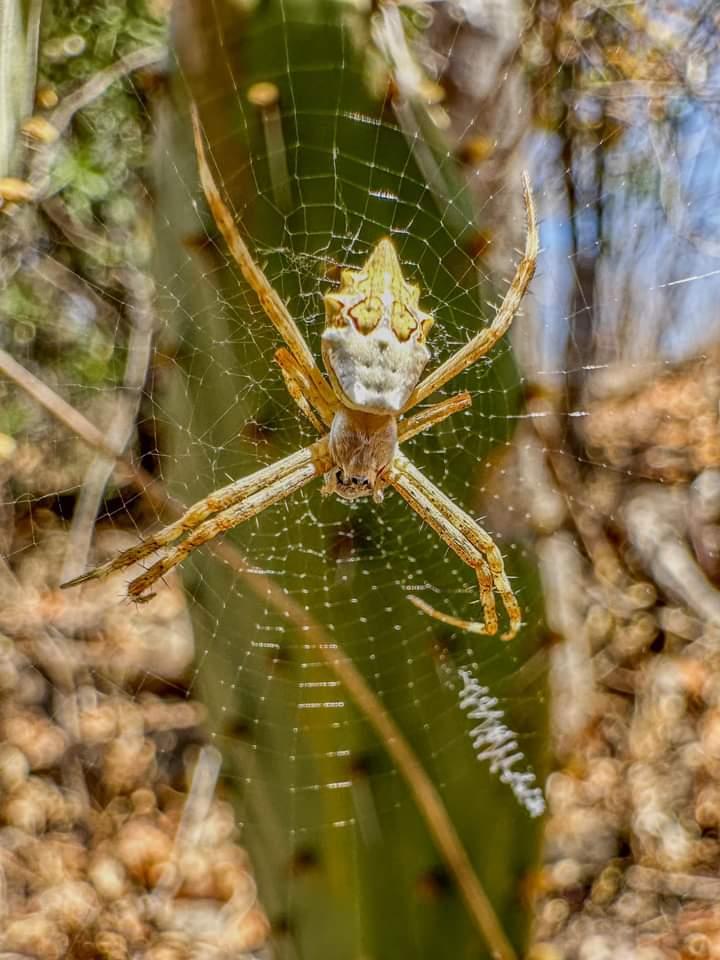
{"points": [[619, 466]]}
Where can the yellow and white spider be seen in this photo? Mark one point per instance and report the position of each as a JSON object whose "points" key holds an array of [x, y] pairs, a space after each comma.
{"points": [[374, 352]]}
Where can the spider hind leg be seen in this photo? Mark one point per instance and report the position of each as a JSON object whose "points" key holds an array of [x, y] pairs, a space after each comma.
{"points": [[468, 540]]}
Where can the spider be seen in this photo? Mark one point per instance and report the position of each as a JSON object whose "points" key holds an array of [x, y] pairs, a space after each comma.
{"points": [[374, 351]]}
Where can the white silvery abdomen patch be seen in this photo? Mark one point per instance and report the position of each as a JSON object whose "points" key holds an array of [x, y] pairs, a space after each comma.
{"points": [[375, 372], [373, 344]]}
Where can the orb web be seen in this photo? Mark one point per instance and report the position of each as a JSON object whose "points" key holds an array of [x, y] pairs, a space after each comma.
{"points": [[314, 180]]}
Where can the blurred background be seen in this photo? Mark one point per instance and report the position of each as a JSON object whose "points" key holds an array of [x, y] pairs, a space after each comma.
{"points": [[278, 755]]}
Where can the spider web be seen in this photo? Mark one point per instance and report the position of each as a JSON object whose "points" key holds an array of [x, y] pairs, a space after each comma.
{"points": [[314, 182], [343, 859]]}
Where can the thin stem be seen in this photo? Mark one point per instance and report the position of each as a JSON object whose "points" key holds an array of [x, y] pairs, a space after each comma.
{"points": [[10, 56], [55, 405], [120, 429], [32, 43]]}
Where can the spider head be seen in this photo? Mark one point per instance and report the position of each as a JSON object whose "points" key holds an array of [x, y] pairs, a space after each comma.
{"points": [[362, 445], [350, 488]]}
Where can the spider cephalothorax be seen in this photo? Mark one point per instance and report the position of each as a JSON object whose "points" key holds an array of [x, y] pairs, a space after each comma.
{"points": [[374, 352], [362, 445]]}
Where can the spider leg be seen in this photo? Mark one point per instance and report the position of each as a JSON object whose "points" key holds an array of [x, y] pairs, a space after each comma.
{"points": [[431, 415], [303, 391], [231, 517], [487, 338], [468, 540], [245, 499], [313, 458], [271, 303], [489, 626]]}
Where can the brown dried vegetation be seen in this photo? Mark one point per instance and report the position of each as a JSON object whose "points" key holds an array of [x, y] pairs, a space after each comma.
{"points": [[112, 841], [632, 851]]}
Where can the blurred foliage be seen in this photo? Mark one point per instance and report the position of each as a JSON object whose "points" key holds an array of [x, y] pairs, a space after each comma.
{"points": [[109, 142], [623, 485], [63, 301]]}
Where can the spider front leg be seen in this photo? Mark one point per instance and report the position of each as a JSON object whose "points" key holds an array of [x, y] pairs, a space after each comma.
{"points": [[467, 539], [230, 517], [274, 308], [310, 462], [303, 391], [432, 415], [484, 341]]}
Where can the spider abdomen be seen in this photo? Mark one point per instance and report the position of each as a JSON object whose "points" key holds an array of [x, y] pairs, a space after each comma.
{"points": [[374, 372], [373, 344]]}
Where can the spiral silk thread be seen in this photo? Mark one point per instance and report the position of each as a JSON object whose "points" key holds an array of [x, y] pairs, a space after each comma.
{"points": [[494, 742]]}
